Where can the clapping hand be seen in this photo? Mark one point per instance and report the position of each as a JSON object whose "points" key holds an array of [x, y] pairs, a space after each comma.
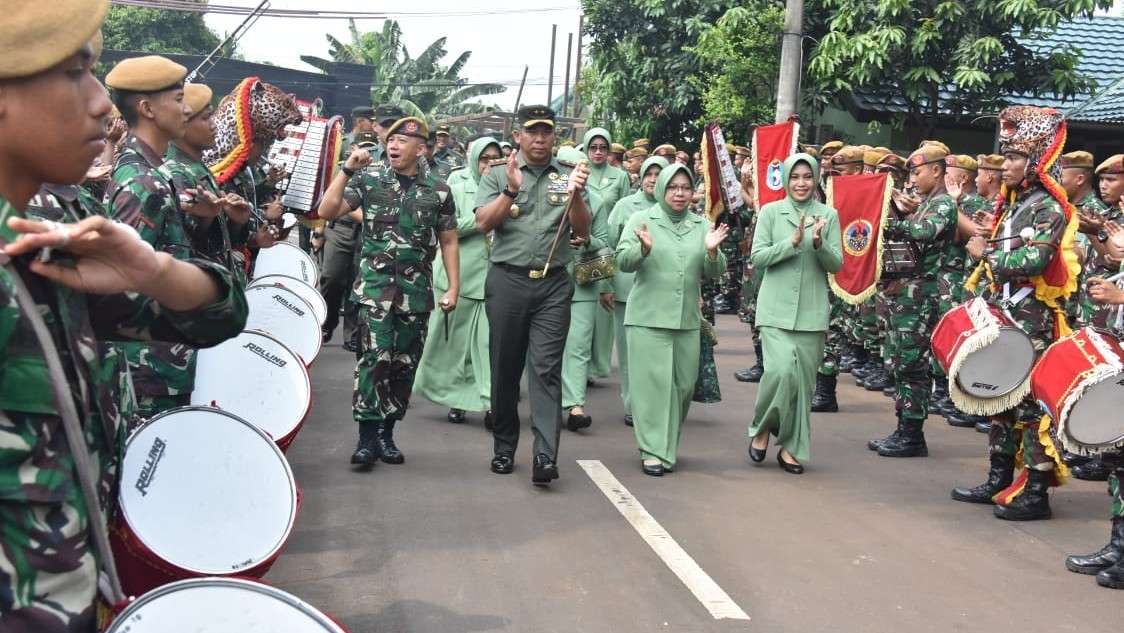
{"points": [[953, 188], [817, 231], [201, 204], [645, 239], [1089, 224], [514, 174], [975, 247], [1115, 243], [1104, 292], [798, 234], [715, 236]]}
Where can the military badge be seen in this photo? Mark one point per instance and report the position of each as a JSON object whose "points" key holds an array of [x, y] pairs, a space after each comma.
{"points": [[856, 237]]}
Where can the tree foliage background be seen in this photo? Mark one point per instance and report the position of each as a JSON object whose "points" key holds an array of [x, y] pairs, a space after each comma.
{"points": [[159, 31]]}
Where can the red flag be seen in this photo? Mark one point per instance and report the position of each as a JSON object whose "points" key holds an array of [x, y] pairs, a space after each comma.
{"points": [[863, 202], [772, 144], [722, 189]]}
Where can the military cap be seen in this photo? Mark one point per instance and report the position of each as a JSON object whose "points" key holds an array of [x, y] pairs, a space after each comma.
{"points": [[810, 150], [37, 35], [938, 144], [363, 112], [831, 146], [890, 161], [387, 114], [442, 129], [617, 148], [926, 155], [848, 155], [409, 126], [636, 152], [366, 139], [197, 97], [666, 148], [532, 115], [963, 161], [1112, 165], [871, 157], [1077, 160], [641, 142], [742, 151], [151, 73], [994, 162]]}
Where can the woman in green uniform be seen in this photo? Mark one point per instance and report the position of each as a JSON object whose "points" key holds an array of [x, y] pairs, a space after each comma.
{"points": [[455, 368], [670, 249], [796, 243], [642, 200]]}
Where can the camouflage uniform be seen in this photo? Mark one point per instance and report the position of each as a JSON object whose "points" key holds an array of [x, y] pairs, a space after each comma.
{"points": [[730, 285], [401, 220], [47, 564], [914, 301], [445, 162], [1085, 310], [143, 196], [212, 242]]}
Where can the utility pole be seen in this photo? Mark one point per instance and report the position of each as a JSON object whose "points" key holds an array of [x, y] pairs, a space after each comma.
{"points": [[550, 75], [788, 85], [577, 111], [566, 89]]}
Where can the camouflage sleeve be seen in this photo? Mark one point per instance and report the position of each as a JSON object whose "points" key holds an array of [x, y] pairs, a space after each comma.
{"points": [[182, 180], [447, 209], [1031, 258], [143, 206], [133, 317], [928, 224], [356, 189]]}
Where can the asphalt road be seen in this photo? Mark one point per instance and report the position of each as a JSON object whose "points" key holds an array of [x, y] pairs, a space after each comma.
{"points": [[858, 543]]}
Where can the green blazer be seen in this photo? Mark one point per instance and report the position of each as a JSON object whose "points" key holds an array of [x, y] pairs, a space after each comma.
{"points": [[666, 289], [794, 289]]}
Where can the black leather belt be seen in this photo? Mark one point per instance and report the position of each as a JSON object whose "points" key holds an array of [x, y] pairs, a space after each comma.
{"points": [[533, 273]]}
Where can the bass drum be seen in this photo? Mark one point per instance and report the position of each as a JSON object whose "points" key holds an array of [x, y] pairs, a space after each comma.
{"points": [[221, 605], [282, 313], [286, 259], [310, 295], [258, 378]]}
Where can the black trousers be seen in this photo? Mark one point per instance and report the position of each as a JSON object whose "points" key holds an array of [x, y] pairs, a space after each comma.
{"points": [[529, 319], [337, 274]]}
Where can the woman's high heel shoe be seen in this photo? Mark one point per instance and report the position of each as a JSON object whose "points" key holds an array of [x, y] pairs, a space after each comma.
{"points": [[792, 469]]}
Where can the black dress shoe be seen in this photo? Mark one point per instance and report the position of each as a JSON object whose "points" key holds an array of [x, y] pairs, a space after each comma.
{"points": [[792, 469], [456, 416], [544, 470], [654, 470], [628, 420], [489, 420], [757, 455], [503, 463], [578, 421]]}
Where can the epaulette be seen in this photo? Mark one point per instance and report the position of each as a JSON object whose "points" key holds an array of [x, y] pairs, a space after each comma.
{"points": [[497, 162], [566, 163]]}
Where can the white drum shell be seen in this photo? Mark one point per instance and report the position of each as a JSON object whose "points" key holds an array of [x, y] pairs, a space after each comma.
{"points": [[310, 294], [286, 259], [283, 314]]}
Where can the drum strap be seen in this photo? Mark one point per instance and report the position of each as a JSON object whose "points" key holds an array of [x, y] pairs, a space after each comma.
{"points": [[72, 427]]}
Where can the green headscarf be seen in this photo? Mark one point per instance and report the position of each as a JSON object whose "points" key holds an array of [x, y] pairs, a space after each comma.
{"points": [[475, 150], [640, 200], [652, 160], [662, 183], [593, 133], [786, 171]]}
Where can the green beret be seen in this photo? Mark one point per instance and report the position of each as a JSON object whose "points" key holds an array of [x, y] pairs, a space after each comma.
{"points": [[151, 73], [37, 35]]}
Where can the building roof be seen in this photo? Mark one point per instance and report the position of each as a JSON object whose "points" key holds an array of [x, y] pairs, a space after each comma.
{"points": [[1098, 38]]}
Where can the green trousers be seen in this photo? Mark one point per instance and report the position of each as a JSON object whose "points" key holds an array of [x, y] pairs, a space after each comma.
{"points": [[622, 355], [391, 348], [455, 370], [604, 327], [577, 357], [784, 397], [663, 367]]}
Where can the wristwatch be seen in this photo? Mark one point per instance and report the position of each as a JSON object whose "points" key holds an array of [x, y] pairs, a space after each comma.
{"points": [[507, 192], [347, 172], [1102, 236]]}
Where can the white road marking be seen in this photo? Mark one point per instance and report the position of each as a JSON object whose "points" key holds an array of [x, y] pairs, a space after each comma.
{"points": [[713, 597]]}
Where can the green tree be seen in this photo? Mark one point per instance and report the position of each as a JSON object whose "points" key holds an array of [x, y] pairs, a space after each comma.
{"points": [[946, 56], [159, 31]]}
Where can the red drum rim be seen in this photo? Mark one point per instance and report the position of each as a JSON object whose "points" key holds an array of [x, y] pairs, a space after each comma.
{"points": [[276, 549], [319, 339], [121, 623]]}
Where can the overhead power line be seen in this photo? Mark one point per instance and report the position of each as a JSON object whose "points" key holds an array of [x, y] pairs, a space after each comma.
{"points": [[315, 14]]}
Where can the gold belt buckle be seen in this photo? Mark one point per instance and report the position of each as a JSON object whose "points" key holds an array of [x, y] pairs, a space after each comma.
{"points": [[539, 274]]}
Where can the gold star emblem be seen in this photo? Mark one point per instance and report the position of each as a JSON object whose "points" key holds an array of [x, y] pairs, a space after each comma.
{"points": [[514, 211]]}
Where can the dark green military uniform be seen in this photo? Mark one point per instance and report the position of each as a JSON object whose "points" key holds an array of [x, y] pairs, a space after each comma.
{"points": [[47, 562], [212, 241], [142, 195], [1087, 311]]}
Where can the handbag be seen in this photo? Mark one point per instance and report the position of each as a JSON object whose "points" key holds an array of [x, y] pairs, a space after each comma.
{"points": [[595, 266]]}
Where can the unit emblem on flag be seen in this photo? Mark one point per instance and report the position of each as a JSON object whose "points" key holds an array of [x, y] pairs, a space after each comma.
{"points": [[773, 177], [856, 237]]}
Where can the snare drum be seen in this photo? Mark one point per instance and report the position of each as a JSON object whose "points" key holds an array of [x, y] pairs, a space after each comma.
{"points": [[1078, 382], [221, 605], [310, 295], [987, 356], [286, 259], [203, 493], [278, 311], [256, 377]]}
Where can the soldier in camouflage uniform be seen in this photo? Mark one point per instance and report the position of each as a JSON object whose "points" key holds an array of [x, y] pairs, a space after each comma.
{"points": [[914, 300], [1037, 203], [445, 157], [48, 566], [406, 211], [728, 299]]}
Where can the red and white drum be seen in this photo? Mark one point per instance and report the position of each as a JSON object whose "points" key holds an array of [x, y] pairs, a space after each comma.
{"points": [[221, 605], [1078, 382], [278, 311], [311, 295], [986, 355], [259, 379], [287, 259], [203, 493]]}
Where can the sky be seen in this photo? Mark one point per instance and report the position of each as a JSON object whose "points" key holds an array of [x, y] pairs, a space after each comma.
{"points": [[501, 42]]}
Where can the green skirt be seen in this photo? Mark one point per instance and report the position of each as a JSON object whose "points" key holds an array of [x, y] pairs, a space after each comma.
{"points": [[784, 396], [456, 372], [663, 367]]}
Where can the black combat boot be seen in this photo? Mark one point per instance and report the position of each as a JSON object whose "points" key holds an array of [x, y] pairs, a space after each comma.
{"points": [[389, 450], [1113, 577], [1092, 470], [367, 451], [910, 442], [846, 360], [876, 444], [823, 400], [983, 424], [999, 476], [752, 374], [863, 368], [940, 402], [1033, 503], [1103, 558], [878, 379]]}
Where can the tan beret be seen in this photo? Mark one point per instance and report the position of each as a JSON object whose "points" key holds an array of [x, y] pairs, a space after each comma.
{"points": [[890, 161], [994, 162], [938, 144], [741, 150], [962, 161], [666, 148], [1078, 159], [151, 73], [1113, 165], [617, 148], [197, 97], [927, 154], [37, 35], [636, 152], [641, 142], [831, 146], [811, 151], [847, 155], [872, 157]]}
